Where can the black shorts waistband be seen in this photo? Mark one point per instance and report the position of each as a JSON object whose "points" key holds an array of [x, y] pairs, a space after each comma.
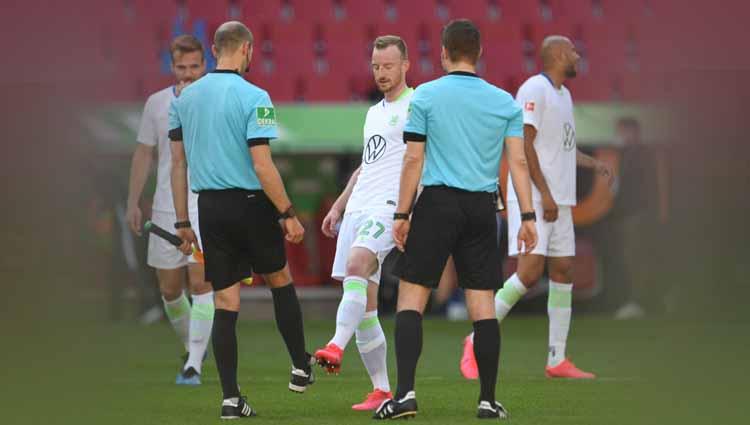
{"points": [[456, 190], [231, 192]]}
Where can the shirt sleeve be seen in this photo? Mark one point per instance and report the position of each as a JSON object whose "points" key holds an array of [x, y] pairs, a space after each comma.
{"points": [[175, 125], [531, 100], [515, 123], [261, 123], [416, 120], [147, 132]]}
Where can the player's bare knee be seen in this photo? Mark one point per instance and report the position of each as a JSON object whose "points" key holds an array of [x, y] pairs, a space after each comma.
{"points": [[412, 296], [361, 262], [561, 269], [530, 276], [530, 269], [561, 276], [170, 289], [278, 279], [480, 304], [227, 299], [200, 287], [356, 268]]}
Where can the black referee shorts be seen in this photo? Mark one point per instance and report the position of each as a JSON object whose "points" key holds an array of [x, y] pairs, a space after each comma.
{"points": [[241, 234], [448, 221]]}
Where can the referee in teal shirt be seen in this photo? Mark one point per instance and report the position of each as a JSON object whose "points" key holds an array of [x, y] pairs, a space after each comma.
{"points": [[455, 133], [222, 125]]}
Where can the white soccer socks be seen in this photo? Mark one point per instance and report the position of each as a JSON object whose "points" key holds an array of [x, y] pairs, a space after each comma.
{"points": [[559, 309], [373, 350], [201, 322], [351, 310], [178, 313], [508, 296]]}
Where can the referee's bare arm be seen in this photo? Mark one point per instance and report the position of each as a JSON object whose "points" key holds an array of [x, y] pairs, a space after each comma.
{"points": [[521, 183], [411, 172], [273, 186], [179, 193]]}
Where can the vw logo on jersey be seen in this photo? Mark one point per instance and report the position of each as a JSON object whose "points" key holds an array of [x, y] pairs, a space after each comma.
{"points": [[569, 137], [374, 150]]}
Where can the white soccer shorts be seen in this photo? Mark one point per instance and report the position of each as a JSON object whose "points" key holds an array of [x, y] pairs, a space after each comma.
{"points": [[372, 231], [556, 239], [162, 254]]}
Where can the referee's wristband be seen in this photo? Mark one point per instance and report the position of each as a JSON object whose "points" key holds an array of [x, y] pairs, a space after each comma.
{"points": [[289, 213], [528, 216], [182, 224], [400, 216]]}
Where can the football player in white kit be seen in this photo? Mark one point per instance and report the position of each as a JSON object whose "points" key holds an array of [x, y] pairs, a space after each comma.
{"points": [[192, 323], [364, 237], [550, 145]]}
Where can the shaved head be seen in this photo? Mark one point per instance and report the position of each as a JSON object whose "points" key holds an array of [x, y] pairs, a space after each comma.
{"points": [[230, 36], [559, 53]]}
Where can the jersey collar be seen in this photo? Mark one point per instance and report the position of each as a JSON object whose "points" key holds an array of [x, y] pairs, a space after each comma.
{"points": [[407, 91], [544, 74], [225, 71], [464, 73]]}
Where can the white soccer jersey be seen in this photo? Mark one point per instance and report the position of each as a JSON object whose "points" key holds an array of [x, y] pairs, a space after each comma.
{"points": [[382, 156], [153, 132], [550, 111]]}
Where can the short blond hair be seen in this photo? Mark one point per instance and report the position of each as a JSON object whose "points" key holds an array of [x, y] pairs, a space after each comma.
{"points": [[185, 43], [384, 41]]}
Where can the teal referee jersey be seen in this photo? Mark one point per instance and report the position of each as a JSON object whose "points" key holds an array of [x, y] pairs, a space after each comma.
{"points": [[217, 118], [464, 120]]}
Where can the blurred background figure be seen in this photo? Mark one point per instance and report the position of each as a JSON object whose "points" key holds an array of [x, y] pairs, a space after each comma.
{"points": [[636, 224]]}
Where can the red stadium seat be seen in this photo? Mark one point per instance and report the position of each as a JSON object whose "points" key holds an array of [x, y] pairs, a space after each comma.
{"points": [[209, 11], [315, 11], [365, 12], [261, 10], [350, 47], [616, 38], [294, 46], [153, 12], [502, 55]]}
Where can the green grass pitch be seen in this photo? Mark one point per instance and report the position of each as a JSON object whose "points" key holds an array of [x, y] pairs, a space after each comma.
{"points": [[126, 372]]}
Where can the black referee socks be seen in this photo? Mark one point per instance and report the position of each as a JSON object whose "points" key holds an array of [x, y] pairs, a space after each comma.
{"points": [[408, 349], [289, 321], [487, 353], [224, 341]]}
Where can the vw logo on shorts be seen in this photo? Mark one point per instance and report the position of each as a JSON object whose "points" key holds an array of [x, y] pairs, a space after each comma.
{"points": [[569, 137], [374, 150]]}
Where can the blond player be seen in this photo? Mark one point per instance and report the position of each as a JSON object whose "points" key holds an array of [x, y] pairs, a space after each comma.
{"points": [[192, 323], [367, 205]]}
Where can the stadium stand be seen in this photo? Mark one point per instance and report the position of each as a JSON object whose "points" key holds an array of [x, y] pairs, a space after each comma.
{"points": [[319, 50]]}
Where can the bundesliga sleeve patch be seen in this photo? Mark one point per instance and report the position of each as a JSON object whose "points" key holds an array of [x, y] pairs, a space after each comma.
{"points": [[529, 106], [265, 116]]}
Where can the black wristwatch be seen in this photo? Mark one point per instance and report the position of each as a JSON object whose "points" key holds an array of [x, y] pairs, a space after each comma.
{"points": [[528, 216], [289, 213], [182, 224], [400, 216]]}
